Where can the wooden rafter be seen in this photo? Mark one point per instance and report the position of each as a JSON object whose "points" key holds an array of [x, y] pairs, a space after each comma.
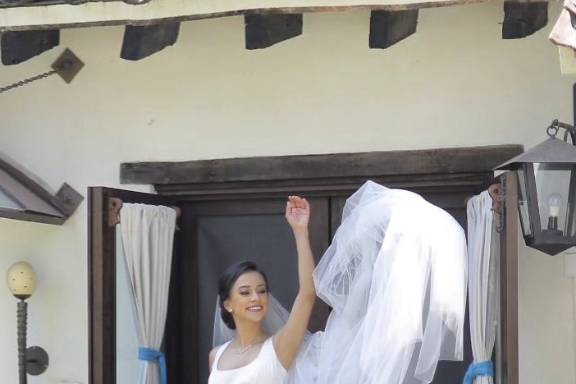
{"points": [[522, 19], [142, 41], [21, 46], [263, 31], [389, 27], [31, 30]]}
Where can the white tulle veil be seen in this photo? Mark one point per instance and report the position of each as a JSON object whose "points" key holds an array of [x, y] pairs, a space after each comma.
{"points": [[395, 277]]}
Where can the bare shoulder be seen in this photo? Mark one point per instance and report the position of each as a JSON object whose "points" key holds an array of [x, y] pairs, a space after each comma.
{"points": [[212, 356]]}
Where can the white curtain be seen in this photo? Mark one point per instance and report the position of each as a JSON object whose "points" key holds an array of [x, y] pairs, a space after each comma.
{"points": [[147, 237], [482, 286]]}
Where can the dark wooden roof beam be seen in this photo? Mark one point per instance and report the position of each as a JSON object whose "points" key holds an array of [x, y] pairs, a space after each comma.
{"points": [[18, 47], [389, 27], [142, 41], [523, 19], [263, 31]]}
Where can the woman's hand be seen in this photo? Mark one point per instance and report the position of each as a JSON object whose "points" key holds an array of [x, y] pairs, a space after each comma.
{"points": [[297, 213]]}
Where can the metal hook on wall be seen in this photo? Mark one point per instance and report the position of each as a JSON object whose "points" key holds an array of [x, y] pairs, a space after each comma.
{"points": [[497, 192], [115, 205]]}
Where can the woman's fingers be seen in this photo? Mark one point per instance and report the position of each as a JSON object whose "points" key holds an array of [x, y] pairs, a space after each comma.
{"points": [[298, 202]]}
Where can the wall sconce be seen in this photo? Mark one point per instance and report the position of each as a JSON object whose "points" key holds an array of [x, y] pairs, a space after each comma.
{"points": [[21, 281], [547, 191]]}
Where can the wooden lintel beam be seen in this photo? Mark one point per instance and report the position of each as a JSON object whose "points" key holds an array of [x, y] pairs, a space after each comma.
{"points": [[522, 19], [262, 31], [21, 46], [142, 41], [305, 167], [389, 27]]}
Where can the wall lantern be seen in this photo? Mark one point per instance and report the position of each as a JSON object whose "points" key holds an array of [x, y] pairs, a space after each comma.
{"points": [[21, 281], [547, 191]]}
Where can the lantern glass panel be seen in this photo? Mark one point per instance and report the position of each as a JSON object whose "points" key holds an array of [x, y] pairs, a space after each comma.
{"points": [[553, 190], [523, 204], [571, 214]]}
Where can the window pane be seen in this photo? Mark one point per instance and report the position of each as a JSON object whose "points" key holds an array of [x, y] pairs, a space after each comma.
{"points": [[571, 214], [126, 339], [523, 204], [7, 202], [553, 185]]}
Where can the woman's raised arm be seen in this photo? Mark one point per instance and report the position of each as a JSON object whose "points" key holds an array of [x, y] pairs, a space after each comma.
{"points": [[288, 339]]}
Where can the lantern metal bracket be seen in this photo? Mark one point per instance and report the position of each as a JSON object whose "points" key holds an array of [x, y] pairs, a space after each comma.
{"points": [[497, 193], [556, 125]]}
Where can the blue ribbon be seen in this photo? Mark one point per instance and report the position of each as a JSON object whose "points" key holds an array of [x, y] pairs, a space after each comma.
{"points": [[154, 356], [484, 368]]}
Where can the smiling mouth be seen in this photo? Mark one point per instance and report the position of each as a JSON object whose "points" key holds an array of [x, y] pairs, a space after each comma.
{"points": [[256, 308]]}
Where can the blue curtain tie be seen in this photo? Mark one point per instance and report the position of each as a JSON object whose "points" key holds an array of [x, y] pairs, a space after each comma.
{"points": [[484, 368], [154, 356]]}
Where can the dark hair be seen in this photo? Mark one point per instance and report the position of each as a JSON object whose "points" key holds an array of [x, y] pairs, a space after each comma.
{"points": [[227, 280]]}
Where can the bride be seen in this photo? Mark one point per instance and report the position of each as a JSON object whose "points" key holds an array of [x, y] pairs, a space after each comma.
{"points": [[254, 356], [395, 278]]}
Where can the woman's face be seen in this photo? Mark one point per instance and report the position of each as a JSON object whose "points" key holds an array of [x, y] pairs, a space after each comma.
{"points": [[248, 298]]}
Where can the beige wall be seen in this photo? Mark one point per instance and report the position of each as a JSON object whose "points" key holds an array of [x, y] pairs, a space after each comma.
{"points": [[455, 83]]}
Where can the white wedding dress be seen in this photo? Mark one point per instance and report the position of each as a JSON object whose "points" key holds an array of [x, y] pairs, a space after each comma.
{"points": [[395, 277]]}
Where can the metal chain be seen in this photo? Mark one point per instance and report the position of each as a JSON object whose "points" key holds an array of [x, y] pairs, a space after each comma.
{"points": [[27, 81]]}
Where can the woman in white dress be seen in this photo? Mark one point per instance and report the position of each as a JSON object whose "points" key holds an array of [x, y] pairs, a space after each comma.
{"points": [[253, 356]]}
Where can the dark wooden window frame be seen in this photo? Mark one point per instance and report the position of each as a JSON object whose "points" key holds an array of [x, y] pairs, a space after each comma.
{"points": [[467, 170]]}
